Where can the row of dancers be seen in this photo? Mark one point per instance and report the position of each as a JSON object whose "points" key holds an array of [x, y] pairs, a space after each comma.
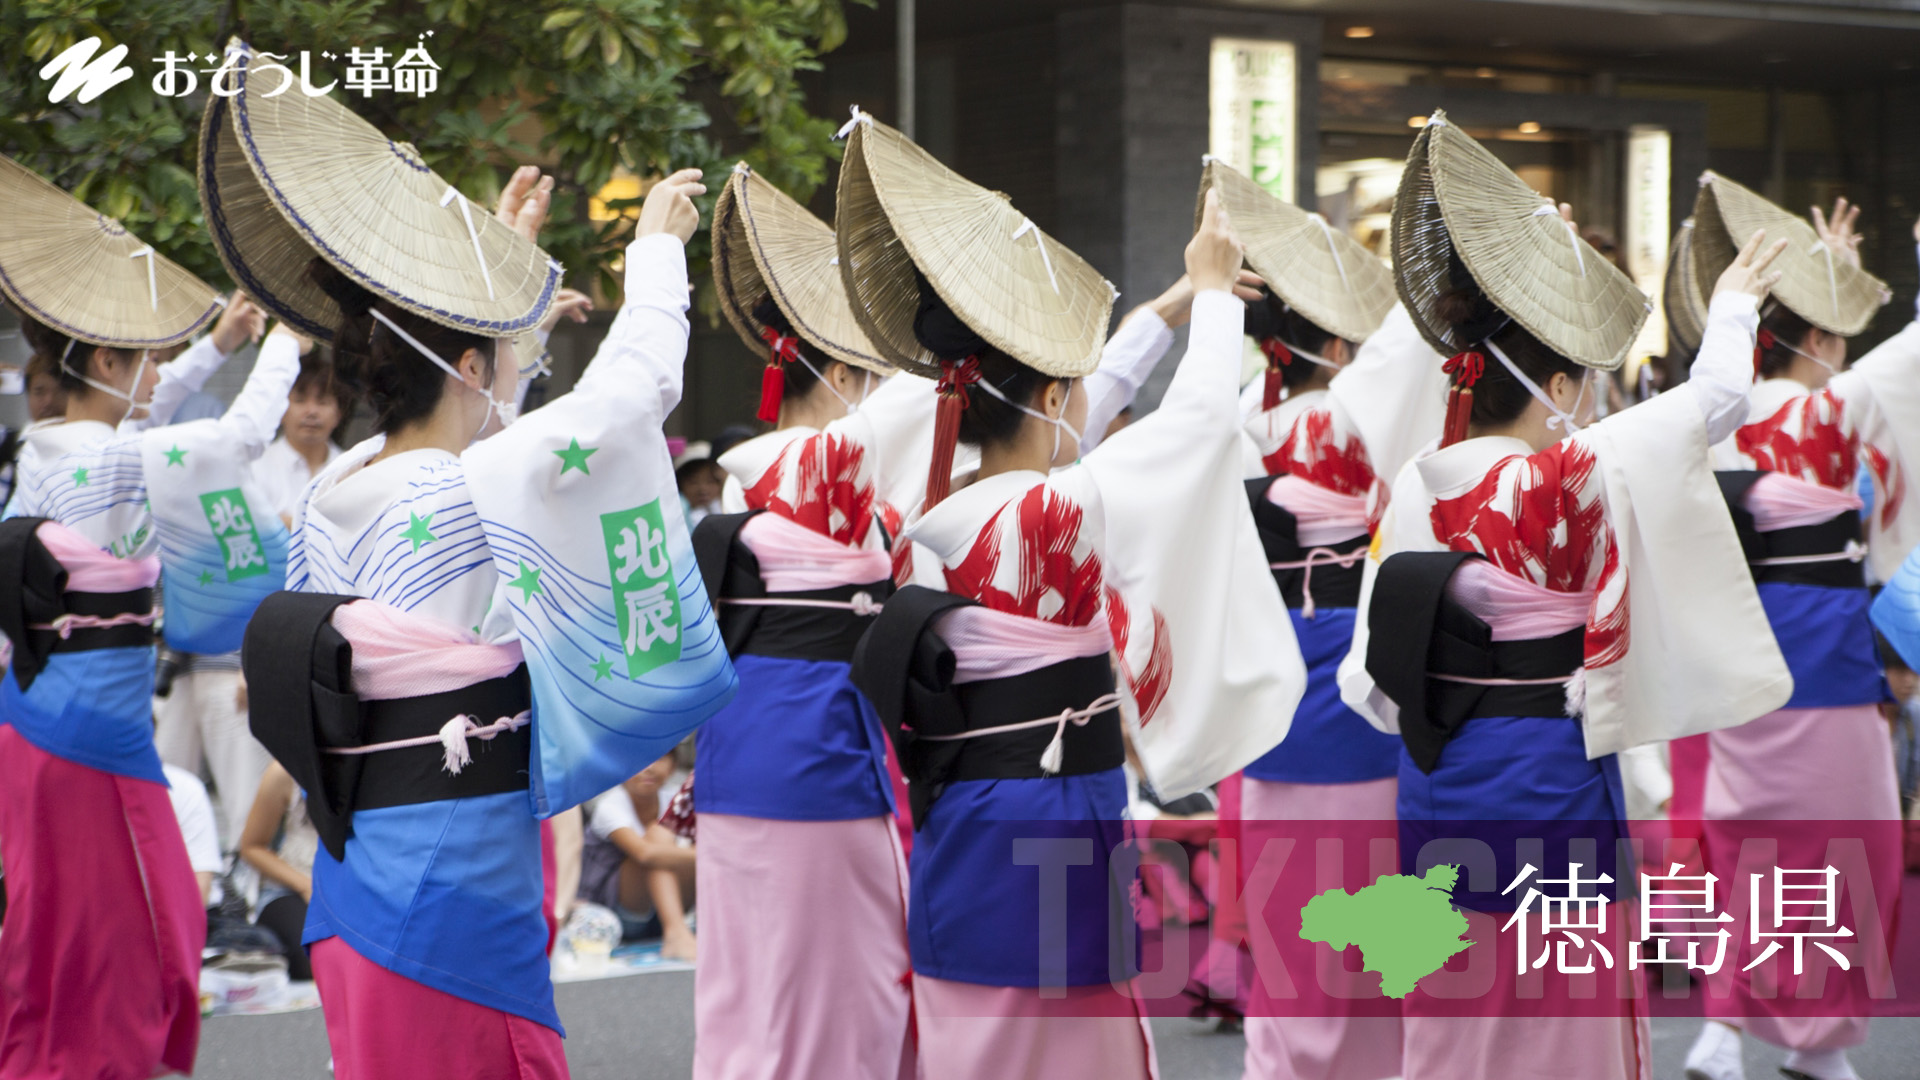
{"points": [[1403, 575]]}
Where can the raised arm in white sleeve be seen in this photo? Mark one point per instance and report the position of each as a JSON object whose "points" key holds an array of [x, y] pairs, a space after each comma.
{"points": [[1723, 369], [648, 339], [180, 378], [255, 414], [1129, 358]]}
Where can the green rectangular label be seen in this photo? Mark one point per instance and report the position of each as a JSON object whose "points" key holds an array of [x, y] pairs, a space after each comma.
{"points": [[232, 523], [646, 601]]}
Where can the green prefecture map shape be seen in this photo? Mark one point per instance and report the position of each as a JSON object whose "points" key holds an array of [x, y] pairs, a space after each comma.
{"points": [[1406, 926]]}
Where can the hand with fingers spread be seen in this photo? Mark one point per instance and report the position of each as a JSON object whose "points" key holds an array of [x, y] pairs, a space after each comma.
{"points": [[525, 201], [240, 323], [1748, 272], [1836, 230], [1215, 253], [567, 304], [669, 206]]}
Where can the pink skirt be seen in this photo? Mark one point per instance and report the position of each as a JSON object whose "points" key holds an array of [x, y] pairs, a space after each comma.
{"points": [[969, 1032], [803, 967], [382, 1025], [1319, 1047], [1832, 765], [100, 958], [1612, 1041]]}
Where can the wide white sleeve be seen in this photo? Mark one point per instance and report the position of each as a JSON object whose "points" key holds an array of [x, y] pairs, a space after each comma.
{"points": [[893, 424], [1880, 395], [648, 340], [255, 414], [180, 378], [1722, 371], [1130, 356]]}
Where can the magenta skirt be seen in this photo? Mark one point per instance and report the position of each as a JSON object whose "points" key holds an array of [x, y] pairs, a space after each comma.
{"points": [[100, 957], [383, 1025]]}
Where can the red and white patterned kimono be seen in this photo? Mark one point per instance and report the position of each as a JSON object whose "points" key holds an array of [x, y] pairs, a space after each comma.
{"points": [[1614, 533], [1825, 756]]}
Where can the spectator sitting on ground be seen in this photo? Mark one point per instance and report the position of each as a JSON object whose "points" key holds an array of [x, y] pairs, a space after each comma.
{"points": [[633, 863], [280, 843], [194, 811]]}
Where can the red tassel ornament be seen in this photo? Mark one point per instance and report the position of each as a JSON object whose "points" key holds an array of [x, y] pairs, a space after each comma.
{"points": [[1762, 341], [784, 350], [1278, 357], [955, 377], [1466, 369]]}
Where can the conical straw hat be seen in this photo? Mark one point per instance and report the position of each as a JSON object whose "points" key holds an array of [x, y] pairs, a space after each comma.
{"points": [[1815, 283], [900, 211], [765, 243], [83, 274], [1685, 304], [1456, 198], [1322, 273], [318, 179]]}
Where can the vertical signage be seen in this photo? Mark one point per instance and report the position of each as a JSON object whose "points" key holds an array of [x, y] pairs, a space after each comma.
{"points": [[1253, 110], [1648, 225]]}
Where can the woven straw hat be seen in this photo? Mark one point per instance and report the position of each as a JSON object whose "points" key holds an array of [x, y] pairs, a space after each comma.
{"points": [[765, 243], [83, 274], [1682, 299], [287, 176], [1815, 284], [1020, 289], [1456, 198], [1319, 271]]}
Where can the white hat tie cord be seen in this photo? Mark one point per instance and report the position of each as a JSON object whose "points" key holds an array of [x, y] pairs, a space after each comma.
{"points": [[1040, 238], [153, 287], [846, 129], [1573, 235], [1560, 418], [1058, 422], [466, 211], [508, 410], [1334, 249]]}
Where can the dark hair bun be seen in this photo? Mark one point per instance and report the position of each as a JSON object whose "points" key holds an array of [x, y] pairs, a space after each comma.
{"points": [[354, 301], [941, 331], [768, 313]]}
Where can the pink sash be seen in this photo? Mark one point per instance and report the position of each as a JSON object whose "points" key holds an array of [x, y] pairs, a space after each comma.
{"points": [[989, 644], [1517, 609], [89, 569], [1324, 517], [1778, 501], [398, 655], [794, 558]]}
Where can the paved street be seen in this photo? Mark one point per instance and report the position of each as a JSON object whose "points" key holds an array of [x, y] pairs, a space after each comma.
{"points": [[641, 1028]]}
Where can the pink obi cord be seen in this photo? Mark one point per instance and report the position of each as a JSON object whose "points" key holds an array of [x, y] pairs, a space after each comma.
{"points": [[397, 655], [1778, 501], [794, 558]]}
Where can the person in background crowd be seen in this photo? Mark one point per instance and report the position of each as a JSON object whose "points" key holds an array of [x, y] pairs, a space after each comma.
{"points": [[701, 481], [316, 409], [634, 864], [279, 842], [194, 811], [46, 398]]}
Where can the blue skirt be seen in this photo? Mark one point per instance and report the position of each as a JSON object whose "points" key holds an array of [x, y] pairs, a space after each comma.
{"points": [[797, 743], [1827, 639], [1010, 882], [1512, 791], [1328, 743]]}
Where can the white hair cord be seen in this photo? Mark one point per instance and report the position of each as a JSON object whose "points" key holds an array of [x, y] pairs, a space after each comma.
{"points": [[1560, 418], [1058, 422]]}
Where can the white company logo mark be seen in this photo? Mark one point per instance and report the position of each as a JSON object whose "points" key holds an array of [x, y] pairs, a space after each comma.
{"points": [[79, 69]]}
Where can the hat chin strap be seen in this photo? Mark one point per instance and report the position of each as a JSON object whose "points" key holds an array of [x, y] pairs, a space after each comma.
{"points": [[509, 411], [109, 390], [1560, 419], [1778, 340], [1058, 422]]}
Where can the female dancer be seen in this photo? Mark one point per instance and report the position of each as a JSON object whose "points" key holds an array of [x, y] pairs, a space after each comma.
{"points": [[100, 961], [1790, 475], [1498, 633], [794, 780], [1315, 507], [1017, 604]]}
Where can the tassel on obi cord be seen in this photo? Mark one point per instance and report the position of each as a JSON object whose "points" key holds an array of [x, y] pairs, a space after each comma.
{"points": [[955, 377], [1278, 357], [1465, 369], [1319, 556], [785, 349], [1052, 757], [453, 736]]}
